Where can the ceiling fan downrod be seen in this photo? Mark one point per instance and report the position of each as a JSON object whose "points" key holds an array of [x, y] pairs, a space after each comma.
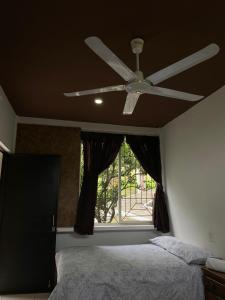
{"points": [[137, 45]]}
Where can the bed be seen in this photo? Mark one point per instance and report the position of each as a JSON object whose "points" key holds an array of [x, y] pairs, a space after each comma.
{"points": [[127, 272]]}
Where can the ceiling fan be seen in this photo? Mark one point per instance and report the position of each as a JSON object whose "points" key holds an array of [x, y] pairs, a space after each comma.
{"points": [[136, 83]]}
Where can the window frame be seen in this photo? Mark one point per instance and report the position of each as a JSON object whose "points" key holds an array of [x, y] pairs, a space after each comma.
{"points": [[120, 225]]}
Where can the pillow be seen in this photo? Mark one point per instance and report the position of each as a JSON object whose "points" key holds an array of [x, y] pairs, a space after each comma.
{"points": [[189, 253]]}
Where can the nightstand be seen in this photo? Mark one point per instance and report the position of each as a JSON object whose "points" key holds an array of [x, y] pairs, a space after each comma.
{"points": [[214, 283]]}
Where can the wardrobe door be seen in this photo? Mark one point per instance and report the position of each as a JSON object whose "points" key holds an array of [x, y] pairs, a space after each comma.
{"points": [[28, 207]]}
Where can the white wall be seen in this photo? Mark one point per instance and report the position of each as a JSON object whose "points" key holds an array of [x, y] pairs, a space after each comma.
{"points": [[94, 127], [64, 240], [7, 122], [194, 166]]}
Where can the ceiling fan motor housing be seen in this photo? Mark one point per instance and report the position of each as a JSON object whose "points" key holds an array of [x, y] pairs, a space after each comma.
{"points": [[137, 45], [138, 87]]}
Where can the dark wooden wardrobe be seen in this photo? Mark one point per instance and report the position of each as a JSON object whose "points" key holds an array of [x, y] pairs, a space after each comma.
{"points": [[28, 207]]}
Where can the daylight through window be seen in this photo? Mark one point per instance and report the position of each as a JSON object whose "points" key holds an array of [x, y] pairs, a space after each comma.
{"points": [[125, 191]]}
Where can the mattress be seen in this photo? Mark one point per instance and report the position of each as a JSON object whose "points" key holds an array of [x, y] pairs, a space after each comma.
{"points": [[127, 272]]}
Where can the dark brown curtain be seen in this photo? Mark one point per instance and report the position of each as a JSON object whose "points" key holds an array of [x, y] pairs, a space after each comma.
{"points": [[99, 150], [147, 151]]}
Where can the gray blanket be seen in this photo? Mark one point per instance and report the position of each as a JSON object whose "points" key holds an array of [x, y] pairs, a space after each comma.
{"points": [[133, 272]]}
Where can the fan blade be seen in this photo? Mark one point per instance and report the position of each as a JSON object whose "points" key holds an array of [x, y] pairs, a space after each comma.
{"points": [[154, 90], [110, 58], [184, 64], [115, 88], [130, 103]]}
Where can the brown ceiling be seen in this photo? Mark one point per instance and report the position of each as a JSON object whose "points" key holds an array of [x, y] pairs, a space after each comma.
{"points": [[43, 54]]}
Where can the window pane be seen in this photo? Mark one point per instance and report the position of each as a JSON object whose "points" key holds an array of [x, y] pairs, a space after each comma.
{"points": [[107, 197], [137, 189]]}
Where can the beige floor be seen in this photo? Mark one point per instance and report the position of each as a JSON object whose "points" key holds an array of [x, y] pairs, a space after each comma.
{"points": [[25, 297]]}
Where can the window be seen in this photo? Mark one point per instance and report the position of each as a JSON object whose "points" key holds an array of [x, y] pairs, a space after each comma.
{"points": [[125, 191]]}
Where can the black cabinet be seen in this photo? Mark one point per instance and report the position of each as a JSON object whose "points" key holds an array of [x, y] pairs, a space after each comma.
{"points": [[28, 208]]}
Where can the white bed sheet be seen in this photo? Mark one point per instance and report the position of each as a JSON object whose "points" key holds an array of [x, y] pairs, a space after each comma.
{"points": [[130, 272]]}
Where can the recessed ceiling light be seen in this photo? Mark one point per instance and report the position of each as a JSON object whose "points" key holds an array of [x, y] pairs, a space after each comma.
{"points": [[98, 101]]}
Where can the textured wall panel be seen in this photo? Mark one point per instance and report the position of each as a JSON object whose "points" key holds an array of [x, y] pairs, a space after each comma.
{"points": [[64, 141]]}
